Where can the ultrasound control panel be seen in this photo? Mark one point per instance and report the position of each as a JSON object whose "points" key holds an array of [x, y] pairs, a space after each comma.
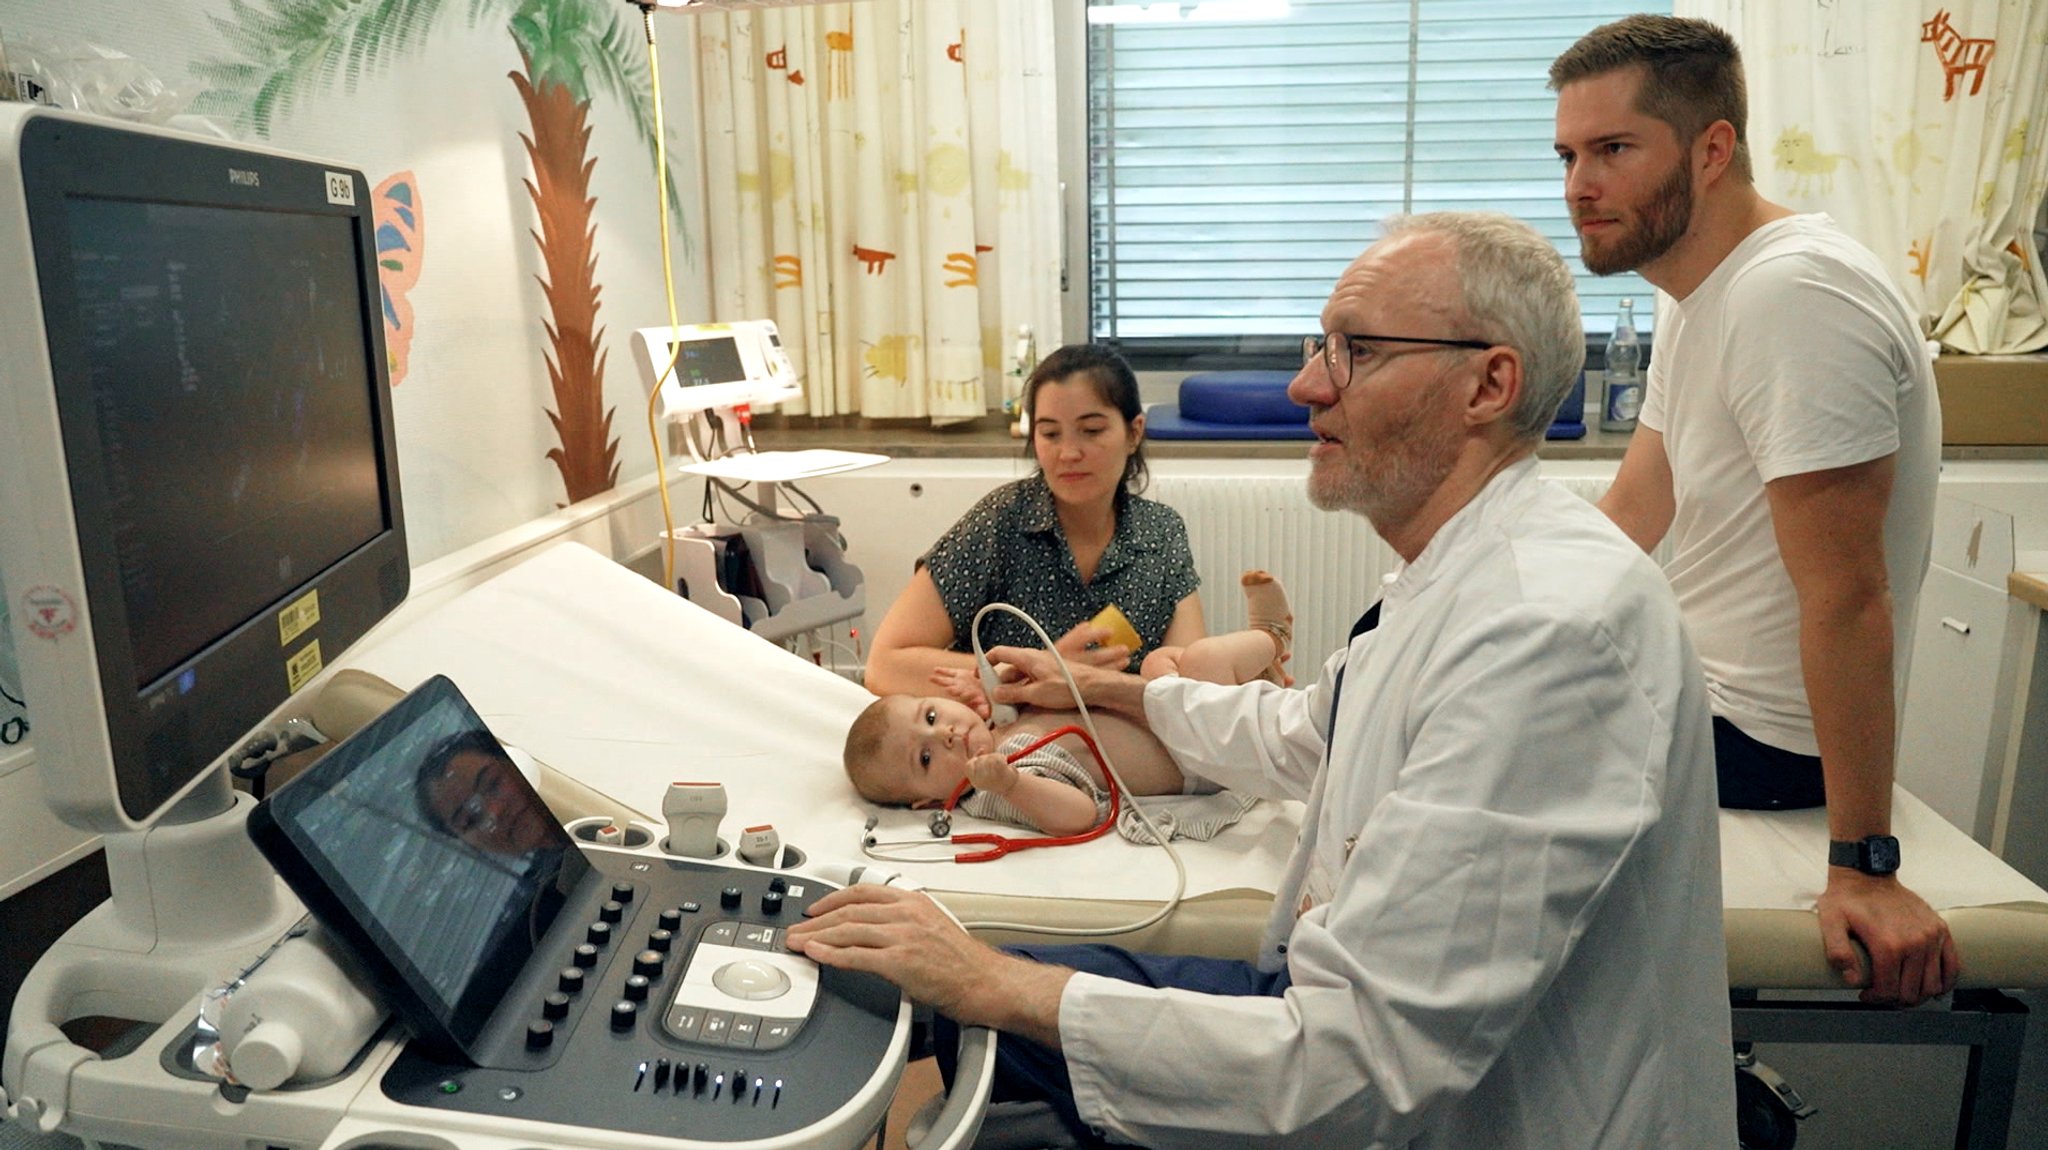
{"points": [[663, 1001]]}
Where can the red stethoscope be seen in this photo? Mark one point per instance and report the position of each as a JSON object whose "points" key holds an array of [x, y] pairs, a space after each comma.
{"points": [[999, 845]]}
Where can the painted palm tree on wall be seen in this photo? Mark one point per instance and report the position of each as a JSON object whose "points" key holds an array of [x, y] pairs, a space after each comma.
{"points": [[288, 50]]}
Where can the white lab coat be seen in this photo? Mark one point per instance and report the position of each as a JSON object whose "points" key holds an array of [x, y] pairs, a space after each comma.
{"points": [[1514, 870]]}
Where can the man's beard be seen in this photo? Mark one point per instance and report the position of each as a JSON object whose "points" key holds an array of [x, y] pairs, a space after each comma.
{"points": [[1409, 463], [1661, 224]]}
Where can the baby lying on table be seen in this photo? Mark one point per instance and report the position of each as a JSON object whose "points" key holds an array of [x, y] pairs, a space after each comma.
{"points": [[915, 751]]}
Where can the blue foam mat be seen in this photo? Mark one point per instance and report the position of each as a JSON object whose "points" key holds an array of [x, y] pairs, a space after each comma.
{"points": [[1164, 421]]}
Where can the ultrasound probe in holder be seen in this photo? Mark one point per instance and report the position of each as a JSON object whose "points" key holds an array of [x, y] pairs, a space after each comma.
{"points": [[693, 811], [760, 846]]}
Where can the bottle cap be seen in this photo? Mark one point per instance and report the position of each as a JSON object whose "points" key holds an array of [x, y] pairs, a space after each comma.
{"points": [[267, 1056]]}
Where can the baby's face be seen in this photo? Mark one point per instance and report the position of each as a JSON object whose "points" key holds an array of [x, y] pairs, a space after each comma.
{"points": [[929, 742]]}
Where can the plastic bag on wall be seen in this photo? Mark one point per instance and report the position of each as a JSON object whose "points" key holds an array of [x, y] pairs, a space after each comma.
{"points": [[87, 77]]}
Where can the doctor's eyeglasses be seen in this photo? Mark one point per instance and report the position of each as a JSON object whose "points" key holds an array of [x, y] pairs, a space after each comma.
{"points": [[1340, 349]]}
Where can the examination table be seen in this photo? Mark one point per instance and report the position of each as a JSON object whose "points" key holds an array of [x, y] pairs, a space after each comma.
{"points": [[620, 689]]}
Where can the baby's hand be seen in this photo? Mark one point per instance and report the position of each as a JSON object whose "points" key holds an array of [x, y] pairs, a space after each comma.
{"points": [[962, 686], [992, 773]]}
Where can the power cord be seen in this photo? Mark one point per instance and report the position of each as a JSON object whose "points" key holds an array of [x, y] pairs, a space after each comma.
{"points": [[668, 283], [14, 730], [800, 493], [1180, 870], [758, 508]]}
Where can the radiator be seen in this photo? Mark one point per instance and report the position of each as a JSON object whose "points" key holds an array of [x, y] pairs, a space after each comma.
{"points": [[1331, 563]]}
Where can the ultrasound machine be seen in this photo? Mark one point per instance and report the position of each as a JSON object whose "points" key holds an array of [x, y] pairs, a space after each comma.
{"points": [[201, 512]]}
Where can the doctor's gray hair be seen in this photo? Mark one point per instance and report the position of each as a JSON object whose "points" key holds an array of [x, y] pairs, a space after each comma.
{"points": [[1517, 293]]}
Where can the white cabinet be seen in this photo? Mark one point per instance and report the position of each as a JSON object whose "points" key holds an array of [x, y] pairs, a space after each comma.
{"points": [[1953, 728], [33, 843], [2019, 831]]}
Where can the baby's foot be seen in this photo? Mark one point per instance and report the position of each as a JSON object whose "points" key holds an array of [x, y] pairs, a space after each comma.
{"points": [[1265, 602]]}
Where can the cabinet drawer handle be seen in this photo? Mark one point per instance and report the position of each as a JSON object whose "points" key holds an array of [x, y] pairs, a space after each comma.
{"points": [[1956, 625]]}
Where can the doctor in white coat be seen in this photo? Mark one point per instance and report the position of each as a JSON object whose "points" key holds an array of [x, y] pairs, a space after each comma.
{"points": [[1502, 924]]}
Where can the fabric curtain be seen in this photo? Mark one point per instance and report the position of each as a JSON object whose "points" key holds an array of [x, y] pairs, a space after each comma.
{"points": [[1923, 130], [881, 180]]}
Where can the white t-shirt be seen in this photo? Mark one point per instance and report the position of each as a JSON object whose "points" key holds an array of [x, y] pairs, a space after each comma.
{"points": [[1796, 355]]}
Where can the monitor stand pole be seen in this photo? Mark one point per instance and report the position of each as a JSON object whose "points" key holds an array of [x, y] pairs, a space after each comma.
{"points": [[193, 904]]}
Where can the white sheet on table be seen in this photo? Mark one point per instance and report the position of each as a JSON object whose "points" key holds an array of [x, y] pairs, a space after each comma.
{"points": [[1779, 859], [604, 676]]}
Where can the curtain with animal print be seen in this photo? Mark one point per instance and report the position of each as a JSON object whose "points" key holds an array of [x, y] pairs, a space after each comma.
{"points": [[881, 180], [1922, 128]]}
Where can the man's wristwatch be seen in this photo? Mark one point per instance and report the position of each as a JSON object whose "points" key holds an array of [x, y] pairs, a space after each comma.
{"points": [[1876, 855]]}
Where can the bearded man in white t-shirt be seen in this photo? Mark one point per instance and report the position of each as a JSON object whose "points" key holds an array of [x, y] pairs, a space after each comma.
{"points": [[1788, 444]]}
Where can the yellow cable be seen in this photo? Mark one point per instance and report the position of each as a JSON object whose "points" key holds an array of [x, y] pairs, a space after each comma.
{"points": [[668, 281]]}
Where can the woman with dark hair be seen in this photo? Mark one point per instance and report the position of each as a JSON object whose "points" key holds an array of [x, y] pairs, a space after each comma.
{"points": [[1062, 544]]}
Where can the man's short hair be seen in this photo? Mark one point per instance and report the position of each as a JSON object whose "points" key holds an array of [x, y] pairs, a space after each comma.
{"points": [[864, 749], [1518, 293], [1691, 69]]}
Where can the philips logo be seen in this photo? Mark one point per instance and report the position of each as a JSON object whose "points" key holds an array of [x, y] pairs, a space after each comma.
{"points": [[244, 178]]}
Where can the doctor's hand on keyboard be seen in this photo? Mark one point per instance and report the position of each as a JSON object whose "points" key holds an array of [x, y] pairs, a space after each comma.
{"points": [[905, 937]]}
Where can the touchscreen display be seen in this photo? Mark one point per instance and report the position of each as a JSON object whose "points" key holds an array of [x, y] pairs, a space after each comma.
{"points": [[441, 860], [703, 361]]}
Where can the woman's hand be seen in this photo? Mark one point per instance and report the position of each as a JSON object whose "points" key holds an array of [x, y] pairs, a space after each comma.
{"points": [[961, 685], [1084, 646]]}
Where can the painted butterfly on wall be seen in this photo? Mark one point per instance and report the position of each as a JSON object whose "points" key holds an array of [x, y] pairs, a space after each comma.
{"points": [[401, 245]]}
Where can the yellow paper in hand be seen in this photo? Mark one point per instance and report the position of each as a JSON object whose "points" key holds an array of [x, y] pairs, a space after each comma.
{"points": [[1121, 633]]}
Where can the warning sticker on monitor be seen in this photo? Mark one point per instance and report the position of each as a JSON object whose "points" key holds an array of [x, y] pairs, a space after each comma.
{"points": [[300, 668], [298, 617]]}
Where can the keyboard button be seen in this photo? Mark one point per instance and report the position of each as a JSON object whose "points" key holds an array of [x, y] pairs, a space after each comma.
{"points": [[685, 1022], [717, 1028], [745, 1028]]}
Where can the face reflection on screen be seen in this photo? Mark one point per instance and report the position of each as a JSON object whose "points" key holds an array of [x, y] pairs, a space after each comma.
{"points": [[446, 850], [470, 791]]}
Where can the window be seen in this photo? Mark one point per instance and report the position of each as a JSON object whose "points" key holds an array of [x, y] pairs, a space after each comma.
{"points": [[1236, 165]]}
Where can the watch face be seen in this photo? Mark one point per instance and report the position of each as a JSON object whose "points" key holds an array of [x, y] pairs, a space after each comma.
{"points": [[1882, 856]]}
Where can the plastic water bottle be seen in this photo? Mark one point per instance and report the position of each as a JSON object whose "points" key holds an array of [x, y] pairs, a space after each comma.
{"points": [[300, 1015], [1023, 359], [1621, 384]]}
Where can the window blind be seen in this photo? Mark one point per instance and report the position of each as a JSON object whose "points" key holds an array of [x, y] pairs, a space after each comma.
{"points": [[1237, 166]]}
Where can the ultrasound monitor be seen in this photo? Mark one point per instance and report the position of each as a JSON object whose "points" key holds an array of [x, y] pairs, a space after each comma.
{"points": [[197, 463]]}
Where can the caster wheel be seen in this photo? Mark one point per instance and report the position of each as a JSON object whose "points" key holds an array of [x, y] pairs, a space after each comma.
{"points": [[1762, 1120]]}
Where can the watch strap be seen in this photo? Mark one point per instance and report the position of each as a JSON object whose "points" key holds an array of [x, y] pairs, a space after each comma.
{"points": [[1873, 855]]}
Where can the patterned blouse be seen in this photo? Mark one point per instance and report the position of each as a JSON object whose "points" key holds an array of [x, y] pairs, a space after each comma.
{"points": [[1010, 549]]}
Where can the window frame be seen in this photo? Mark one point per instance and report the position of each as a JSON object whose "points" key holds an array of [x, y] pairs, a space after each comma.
{"points": [[1172, 353]]}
